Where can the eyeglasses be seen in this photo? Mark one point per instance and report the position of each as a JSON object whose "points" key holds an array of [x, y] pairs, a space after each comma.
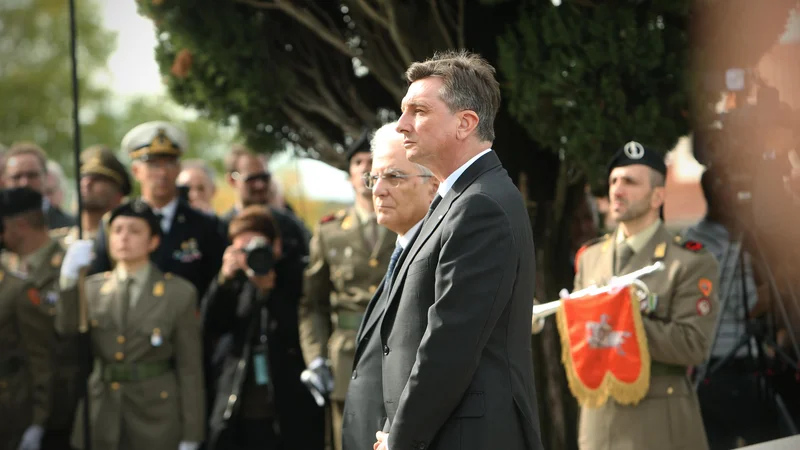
{"points": [[394, 179], [260, 176]]}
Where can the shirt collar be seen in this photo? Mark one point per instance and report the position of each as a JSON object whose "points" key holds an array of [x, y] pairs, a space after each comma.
{"points": [[138, 277], [405, 239], [167, 212], [448, 183], [640, 239]]}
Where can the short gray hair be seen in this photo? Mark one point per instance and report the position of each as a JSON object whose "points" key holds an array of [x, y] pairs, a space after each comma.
{"points": [[381, 138], [202, 165]]}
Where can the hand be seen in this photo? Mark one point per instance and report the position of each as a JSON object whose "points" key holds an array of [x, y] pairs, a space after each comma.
{"points": [[32, 439], [320, 376], [383, 441], [79, 255], [188, 445], [230, 262]]}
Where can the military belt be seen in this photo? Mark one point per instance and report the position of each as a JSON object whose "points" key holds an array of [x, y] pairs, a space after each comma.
{"points": [[348, 320], [125, 372], [658, 369], [9, 367]]}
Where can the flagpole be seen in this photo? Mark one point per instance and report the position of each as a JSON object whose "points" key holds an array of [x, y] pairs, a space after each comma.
{"points": [[84, 338]]}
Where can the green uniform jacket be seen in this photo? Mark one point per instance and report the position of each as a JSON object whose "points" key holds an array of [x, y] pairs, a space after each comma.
{"points": [[679, 333], [158, 412], [25, 375], [64, 349], [343, 272]]}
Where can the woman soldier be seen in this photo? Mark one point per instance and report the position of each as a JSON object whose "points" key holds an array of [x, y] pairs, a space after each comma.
{"points": [[146, 389]]}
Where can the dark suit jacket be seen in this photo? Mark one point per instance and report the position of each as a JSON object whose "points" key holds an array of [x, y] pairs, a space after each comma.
{"points": [[192, 249], [457, 371], [364, 413], [56, 218]]}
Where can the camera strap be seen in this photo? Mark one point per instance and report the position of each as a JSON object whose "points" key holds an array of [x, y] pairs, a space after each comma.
{"points": [[260, 351]]}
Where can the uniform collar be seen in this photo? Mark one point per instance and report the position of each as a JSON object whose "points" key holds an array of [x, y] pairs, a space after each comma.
{"points": [[139, 276], [639, 240]]}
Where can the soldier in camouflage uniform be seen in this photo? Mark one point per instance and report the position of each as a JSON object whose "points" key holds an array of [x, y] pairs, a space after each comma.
{"points": [[104, 184], [348, 257], [38, 259], [25, 364]]}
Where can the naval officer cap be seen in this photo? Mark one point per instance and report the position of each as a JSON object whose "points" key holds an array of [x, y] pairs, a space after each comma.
{"points": [[360, 145], [15, 201], [100, 161], [140, 209], [636, 153], [155, 139]]}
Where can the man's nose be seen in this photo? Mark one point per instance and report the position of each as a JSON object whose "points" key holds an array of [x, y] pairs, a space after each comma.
{"points": [[403, 124]]}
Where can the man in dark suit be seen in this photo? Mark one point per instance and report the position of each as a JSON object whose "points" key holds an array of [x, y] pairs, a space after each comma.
{"points": [[401, 192], [455, 335], [190, 245]]}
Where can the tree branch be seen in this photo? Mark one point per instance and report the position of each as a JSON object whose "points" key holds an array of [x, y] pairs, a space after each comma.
{"points": [[460, 28], [394, 32], [373, 14], [331, 37], [442, 27], [322, 145]]}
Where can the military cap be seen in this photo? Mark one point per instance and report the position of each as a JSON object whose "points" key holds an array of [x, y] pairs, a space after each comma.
{"points": [[137, 208], [636, 153], [14, 201], [359, 145], [152, 139], [100, 161]]}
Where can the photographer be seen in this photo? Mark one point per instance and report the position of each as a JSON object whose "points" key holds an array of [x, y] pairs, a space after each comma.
{"points": [[261, 402]]}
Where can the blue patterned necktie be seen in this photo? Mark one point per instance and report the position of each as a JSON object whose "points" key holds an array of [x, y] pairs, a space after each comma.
{"points": [[398, 249]]}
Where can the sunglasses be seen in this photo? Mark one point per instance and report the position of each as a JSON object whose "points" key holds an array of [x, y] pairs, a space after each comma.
{"points": [[260, 176]]}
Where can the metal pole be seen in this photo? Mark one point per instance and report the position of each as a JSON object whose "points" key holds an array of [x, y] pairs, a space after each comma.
{"points": [[84, 337]]}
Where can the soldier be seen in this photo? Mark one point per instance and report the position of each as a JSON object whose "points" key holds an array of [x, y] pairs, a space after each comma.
{"points": [[190, 246], [104, 183], [146, 390], [678, 328], [25, 364], [39, 260], [349, 256]]}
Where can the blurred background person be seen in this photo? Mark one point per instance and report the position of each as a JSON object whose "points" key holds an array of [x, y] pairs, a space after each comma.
{"points": [[198, 179], [104, 184], [54, 184], [273, 409], [3, 151], [25, 165]]}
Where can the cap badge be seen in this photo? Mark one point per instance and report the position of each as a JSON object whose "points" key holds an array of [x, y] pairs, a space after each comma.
{"points": [[634, 150]]}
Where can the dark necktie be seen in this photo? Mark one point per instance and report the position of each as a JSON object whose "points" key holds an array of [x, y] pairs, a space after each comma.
{"points": [[398, 250], [624, 252], [434, 204], [125, 300]]}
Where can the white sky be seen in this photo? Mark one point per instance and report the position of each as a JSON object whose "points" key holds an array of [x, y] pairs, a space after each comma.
{"points": [[133, 71]]}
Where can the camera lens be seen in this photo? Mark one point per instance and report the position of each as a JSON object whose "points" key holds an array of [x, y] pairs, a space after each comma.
{"points": [[260, 257]]}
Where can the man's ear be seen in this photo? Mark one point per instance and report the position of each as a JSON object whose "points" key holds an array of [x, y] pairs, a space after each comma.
{"points": [[136, 170], [229, 179], [467, 122]]}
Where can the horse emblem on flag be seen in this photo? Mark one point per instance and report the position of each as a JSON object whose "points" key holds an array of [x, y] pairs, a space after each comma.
{"points": [[604, 347]]}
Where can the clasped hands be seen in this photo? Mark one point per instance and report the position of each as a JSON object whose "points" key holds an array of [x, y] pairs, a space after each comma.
{"points": [[382, 442]]}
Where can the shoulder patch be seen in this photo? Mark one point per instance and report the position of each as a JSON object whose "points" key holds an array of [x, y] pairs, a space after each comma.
{"points": [[327, 218], [692, 246], [585, 246], [33, 297]]}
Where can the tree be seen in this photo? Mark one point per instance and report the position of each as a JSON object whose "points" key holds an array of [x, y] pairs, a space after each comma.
{"points": [[35, 76]]}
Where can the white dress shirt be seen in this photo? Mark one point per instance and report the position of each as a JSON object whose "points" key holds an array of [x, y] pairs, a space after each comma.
{"points": [[448, 183], [405, 239], [167, 214]]}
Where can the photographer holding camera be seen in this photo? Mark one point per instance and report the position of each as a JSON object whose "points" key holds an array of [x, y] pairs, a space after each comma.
{"points": [[260, 402]]}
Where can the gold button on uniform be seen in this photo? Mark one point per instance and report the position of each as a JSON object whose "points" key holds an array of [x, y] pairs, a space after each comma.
{"points": [[115, 386], [372, 289], [120, 339], [670, 390], [164, 394], [119, 356]]}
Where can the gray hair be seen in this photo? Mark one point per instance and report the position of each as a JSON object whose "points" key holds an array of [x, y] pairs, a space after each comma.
{"points": [[384, 135], [202, 165]]}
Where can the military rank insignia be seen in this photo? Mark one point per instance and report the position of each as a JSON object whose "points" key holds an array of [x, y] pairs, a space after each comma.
{"points": [[158, 289]]}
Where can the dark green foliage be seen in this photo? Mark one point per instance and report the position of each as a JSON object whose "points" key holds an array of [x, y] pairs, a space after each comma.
{"points": [[587, 79]]}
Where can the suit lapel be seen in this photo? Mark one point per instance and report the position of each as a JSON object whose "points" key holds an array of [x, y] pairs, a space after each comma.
{"points": [[372, 315], [479, 167]]}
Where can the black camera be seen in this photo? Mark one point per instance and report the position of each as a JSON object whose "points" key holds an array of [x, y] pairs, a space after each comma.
{"points": [[259, 256]]}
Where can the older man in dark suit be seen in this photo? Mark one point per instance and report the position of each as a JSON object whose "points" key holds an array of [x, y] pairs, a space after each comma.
{"points": [[455, 335], [401, 192]]}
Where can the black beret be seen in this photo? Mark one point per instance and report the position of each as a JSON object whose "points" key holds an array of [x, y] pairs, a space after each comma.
{"points": [[140, 209], [100, 161], [14, 201], [636, 153], [359, 145]]}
